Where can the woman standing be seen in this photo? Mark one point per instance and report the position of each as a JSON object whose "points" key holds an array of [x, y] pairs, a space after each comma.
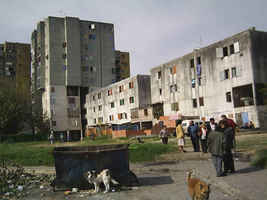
{"points": [[180, 136], [203, 138]]}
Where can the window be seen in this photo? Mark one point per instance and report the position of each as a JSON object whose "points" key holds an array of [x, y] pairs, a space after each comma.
{"points": [[228, 97], [100, 107], [92, 36], [243, 95], [94, 121], [160, 91], [226, 74], [131, 85], [145, 112], [54, 123], [72, 91], [125, 115], [94, 109], [199, 60], [120, 88], [201, 101], [199, 81], [52, 89], [232, 49], [159, 75], [111, 117], [99, 95], [173, 88], [194, 103], [193, 83], [109, 92], [91, 26], [175, 106], [119, 116], [192, 65], [121, 102], [225, 51], [112, 105], [131, 99], [100, 119], [93, 97], [234, 72], [71, 100]]}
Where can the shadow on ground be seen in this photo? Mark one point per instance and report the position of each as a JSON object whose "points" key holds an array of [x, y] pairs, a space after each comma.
{"points": [[159, 180]]}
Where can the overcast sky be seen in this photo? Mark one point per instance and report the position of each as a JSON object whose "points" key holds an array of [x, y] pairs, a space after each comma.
{"points": [[153, 31]]}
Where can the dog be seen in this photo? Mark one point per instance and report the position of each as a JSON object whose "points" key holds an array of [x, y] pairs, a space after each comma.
{"points": [[103, 177]]}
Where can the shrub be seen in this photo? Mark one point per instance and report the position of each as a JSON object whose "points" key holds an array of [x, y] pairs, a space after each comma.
{"points": [[260, 159]]}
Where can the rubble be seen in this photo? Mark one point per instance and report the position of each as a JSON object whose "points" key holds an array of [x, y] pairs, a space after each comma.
{"points": [[15, 183]]}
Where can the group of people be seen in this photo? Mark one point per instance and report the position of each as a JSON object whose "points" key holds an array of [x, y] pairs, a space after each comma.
{"points": [[217, 139]]}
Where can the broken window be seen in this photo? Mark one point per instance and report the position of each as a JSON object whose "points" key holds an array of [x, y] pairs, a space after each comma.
{"points": [[160, 91], [111, 117], [201, 101], [93, 97], [158, 110], [192, 65], [234, 74], [226, 74], [99, 95], [228, 97], [199, 81], [175, 106], [232, 49], [100, 107], [120, 88], [225, 51], [194, 103], [112, 105], [134, 113], [145, 112], [199, 60], [93, 109], [243, 95], [72, 91], [159, 75]]}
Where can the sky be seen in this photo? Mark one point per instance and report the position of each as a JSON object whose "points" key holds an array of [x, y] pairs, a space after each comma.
{"points": [[152, 31]]}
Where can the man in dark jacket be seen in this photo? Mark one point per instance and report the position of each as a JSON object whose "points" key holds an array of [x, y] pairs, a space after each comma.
{"points": [[192, 130], [216, 148], [228, 146]]}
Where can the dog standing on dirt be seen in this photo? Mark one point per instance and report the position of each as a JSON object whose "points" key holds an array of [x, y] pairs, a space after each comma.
{"points": [[103, 177]]}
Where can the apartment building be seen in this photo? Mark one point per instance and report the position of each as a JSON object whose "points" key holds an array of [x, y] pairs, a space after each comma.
{"points": [[222, 78], [122, 65], [121, 103], [15, 66], [70, 57]]}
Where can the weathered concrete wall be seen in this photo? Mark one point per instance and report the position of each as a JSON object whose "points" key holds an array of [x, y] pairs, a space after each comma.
{"points": [[213, 87]]}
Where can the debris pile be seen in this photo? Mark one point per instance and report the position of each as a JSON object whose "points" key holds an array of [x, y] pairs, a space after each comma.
{"points": [[15, 183]]}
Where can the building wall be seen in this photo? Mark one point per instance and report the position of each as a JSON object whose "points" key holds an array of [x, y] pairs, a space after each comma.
{"points": [[106, 112], [122, 69], [213, 88], [75, 53]]}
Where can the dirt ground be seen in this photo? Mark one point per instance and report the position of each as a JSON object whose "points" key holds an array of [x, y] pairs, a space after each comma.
{"points": [[165, 179]]}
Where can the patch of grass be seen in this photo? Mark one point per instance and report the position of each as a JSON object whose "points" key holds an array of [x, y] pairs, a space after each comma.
{"points": [[148, 151], [256, 142], [260, 159]]}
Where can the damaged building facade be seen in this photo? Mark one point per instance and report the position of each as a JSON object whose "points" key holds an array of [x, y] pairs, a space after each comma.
{"points": [[121, 105], [70, 57], [222, 78]]}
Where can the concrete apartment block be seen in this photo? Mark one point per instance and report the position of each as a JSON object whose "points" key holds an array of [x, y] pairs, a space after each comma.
{"points": [[122, 65], [70, 58], [222, 78], [15, 66], [114, 104]]}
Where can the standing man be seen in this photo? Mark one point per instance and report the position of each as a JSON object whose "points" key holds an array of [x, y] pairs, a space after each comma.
{"points": [[216, 148], [192, 130], [180, 136], [203, 137], [232, 124], [228, 146], [213, 124], [163, 135]]}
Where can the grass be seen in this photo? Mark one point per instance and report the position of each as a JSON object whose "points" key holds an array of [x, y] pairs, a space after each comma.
{"points": [[260, 159], [40, 152], [252, 143]]}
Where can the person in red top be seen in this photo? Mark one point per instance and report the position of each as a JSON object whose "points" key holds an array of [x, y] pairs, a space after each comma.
{"points": [[232, 124]]}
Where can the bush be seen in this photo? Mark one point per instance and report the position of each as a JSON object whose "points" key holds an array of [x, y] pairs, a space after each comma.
{"points": [[260, 159]]}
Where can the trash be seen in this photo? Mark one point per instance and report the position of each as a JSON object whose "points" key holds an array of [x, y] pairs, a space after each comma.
{"points": [[67, 192], [20, 188]]}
